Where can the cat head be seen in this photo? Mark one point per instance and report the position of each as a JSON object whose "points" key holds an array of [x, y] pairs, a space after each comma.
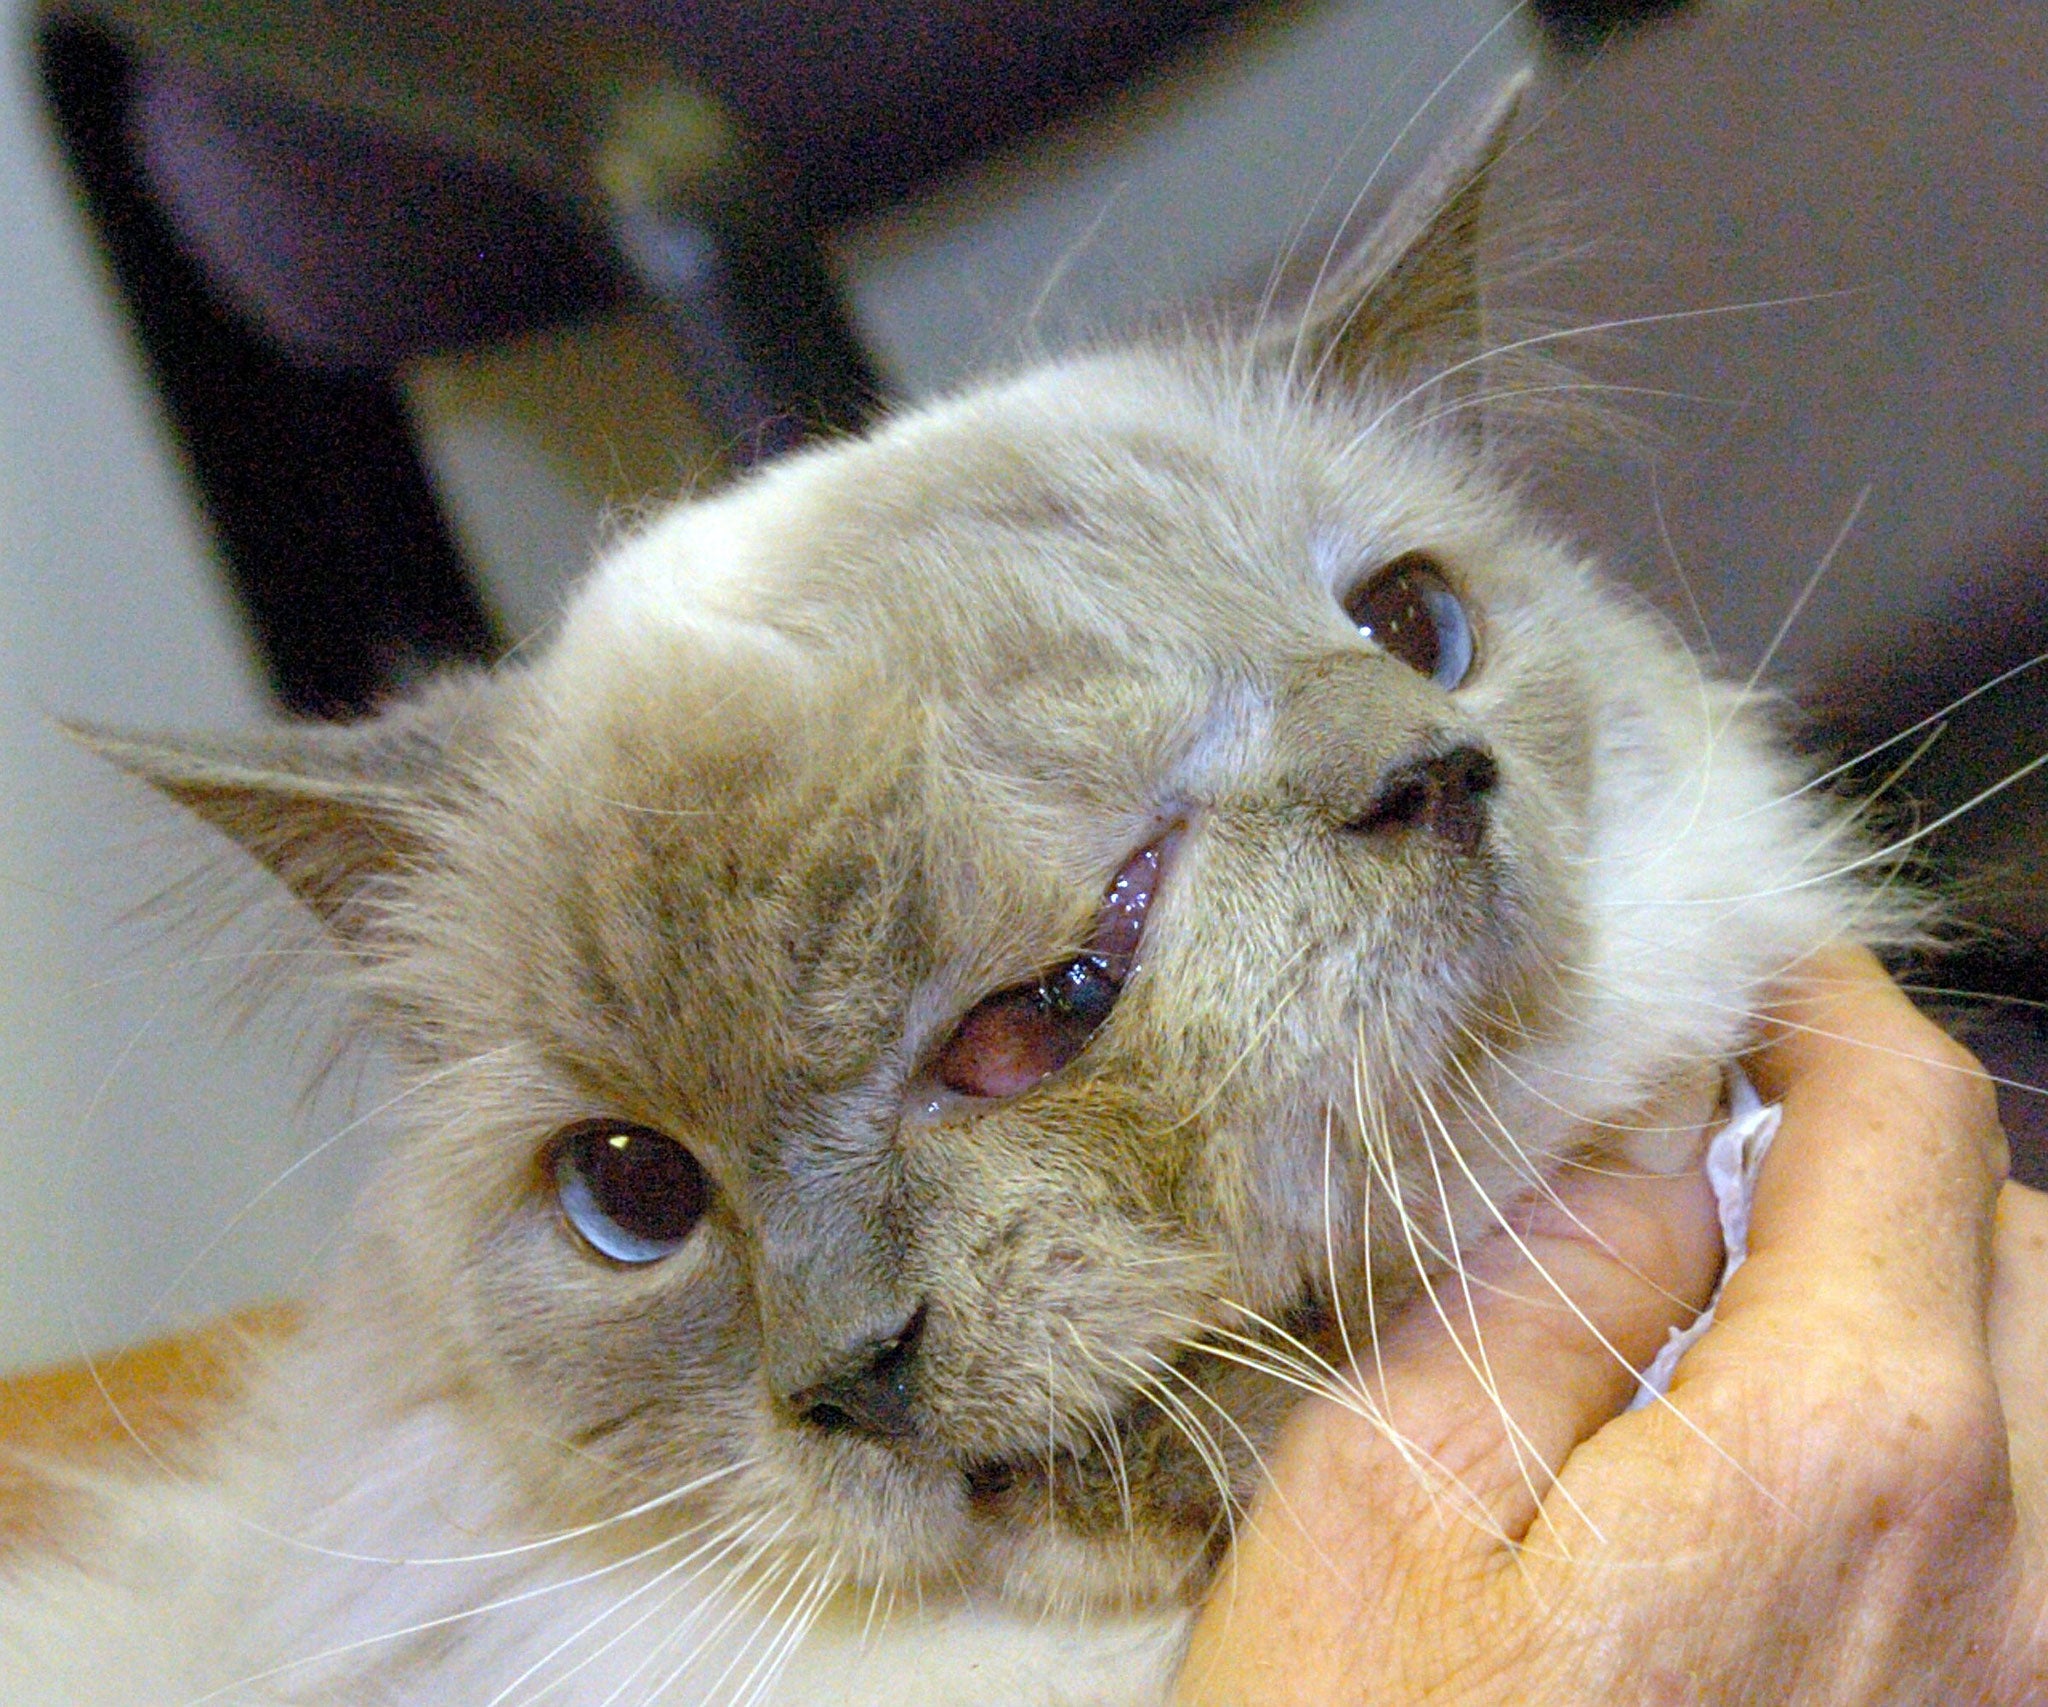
{"points": [[975, 946]]}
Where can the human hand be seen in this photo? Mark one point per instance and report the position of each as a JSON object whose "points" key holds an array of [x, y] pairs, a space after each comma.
{"points": [[1845, 1501]]}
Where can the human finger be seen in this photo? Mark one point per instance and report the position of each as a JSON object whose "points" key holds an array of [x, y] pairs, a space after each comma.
{"points": [[1455, 1433], [1536, 1344], [1481, 1388], [2019, 1353], [1872, 1222]]}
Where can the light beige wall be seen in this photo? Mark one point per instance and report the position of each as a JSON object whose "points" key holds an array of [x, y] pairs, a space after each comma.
{"points": [[132, 1128]]}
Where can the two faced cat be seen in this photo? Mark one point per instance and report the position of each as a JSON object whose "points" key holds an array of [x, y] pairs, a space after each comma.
{"points": [[974, 955]]}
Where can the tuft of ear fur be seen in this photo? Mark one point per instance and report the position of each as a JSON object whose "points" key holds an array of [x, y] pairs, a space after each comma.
{"points": [[1405, 307], [333, 810]]}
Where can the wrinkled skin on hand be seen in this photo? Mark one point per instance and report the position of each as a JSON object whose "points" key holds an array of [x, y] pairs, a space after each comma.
{"points": [[1845, 1501]]}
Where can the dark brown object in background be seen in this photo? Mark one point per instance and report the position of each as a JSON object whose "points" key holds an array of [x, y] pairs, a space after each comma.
{"points": [[297, 198], [334, 547]]}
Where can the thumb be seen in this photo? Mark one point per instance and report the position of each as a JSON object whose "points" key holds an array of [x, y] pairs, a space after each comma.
{"points": [[1454, 1431]]}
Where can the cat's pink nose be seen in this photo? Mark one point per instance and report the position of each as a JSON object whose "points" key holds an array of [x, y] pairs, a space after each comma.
{"points": [[1443, 795], [870, 1392]]}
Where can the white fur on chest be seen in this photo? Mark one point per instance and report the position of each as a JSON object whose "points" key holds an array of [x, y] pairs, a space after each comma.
{"points": [[402, 1588]]}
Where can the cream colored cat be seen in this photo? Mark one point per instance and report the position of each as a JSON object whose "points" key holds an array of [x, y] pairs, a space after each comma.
{"points": [[976, 951]]}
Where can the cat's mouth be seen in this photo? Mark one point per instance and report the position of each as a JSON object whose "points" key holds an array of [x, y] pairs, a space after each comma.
{"points": [[1173, 1467]]}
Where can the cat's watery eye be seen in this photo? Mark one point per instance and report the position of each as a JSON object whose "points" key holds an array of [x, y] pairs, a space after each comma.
{"points": [[1410, 612], [1012, 1039], [631, 1193]]}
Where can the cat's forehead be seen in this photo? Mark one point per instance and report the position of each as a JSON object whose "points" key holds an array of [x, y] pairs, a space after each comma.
{"points": [[1133, 507]]}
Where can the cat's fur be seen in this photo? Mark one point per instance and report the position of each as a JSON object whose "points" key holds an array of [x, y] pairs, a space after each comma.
{"points": [[814, 766]]}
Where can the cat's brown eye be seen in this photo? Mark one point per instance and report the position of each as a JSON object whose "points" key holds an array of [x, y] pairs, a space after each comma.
{"points": [[1012, 1039], [1409, 611], [631, 1193]]}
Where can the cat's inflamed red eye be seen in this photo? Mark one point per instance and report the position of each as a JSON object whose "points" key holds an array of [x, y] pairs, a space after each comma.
{"points": [[633, 1194], [1018, 1036], [1014, 1038], [1409, 610]]}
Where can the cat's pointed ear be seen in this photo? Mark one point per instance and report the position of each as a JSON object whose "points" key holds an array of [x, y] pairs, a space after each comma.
{"points": [[334, 811], [1405, 308]]}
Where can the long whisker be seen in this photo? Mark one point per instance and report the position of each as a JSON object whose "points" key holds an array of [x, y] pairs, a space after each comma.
{"points": [[1110, 1438], [719, 1547], [1931, 722], [1876, 856], [1521, 1244], [1189, 1426], [384, 1638], [1478, 1361], [799, 1573], [1365, 189], [737, 1609], [1806, 592], [1592, 328]]}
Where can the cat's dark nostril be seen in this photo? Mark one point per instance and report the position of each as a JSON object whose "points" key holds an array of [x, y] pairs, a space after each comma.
{"points": [[1443, 794], [871, 1392]]}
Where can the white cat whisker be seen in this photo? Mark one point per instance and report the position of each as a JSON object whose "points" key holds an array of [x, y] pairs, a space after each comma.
{"points": [[1702, 643], [877, 1620], [1863, 862], [767, 1573], [1543, 1185], [1996, 998], [384, 1638], [1504, 1064], [1380, 1162], [1520, 1242], [1551, 1193], [559, 1538], [1492, 395], [1618, 323], [802, 1621], [1252, 1449], [1477, 1359], [1778, 1024], [718, 1547], [1806, 591], [1347, 1392], [1331, 1275], [1298, 233], [1026, 332], [1491, 1129], [691, 1570], [1334, 340], [1292, 1362], [1932, 723], [1175, 1410], [397, 1099], [763, 1671], [89, 1360], [1376, 1134], [200, 962], [1110, 1439]]}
